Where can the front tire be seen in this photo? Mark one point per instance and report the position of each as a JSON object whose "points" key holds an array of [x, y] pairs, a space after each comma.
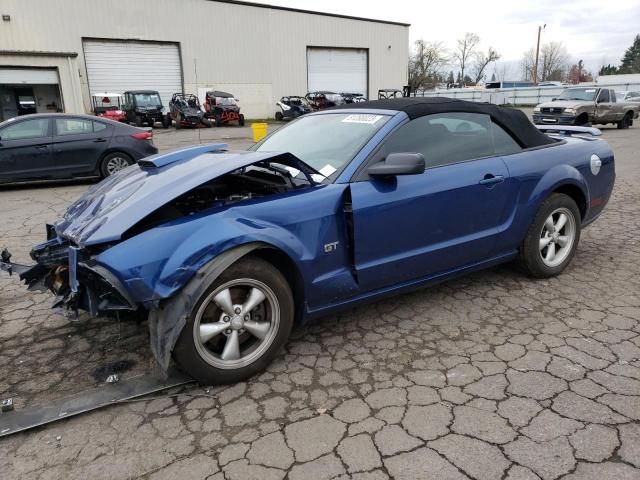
{"points": [[237, 324], [241, 120], [626, 122], [552, 238]]}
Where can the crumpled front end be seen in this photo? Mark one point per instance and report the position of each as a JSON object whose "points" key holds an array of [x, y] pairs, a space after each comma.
{"points": [[72, 275]]}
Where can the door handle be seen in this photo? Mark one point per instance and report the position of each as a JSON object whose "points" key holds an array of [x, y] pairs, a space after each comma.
{"points": [[100, 140], [490, 179]]}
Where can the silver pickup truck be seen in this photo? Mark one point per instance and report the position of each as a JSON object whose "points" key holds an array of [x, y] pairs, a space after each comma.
{"points": [[586, 106]]}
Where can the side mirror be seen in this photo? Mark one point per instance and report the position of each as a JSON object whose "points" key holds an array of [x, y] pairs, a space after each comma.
{"points": [[398, 164]]}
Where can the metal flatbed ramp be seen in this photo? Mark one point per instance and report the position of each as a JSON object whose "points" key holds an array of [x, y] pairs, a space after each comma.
{"points": [[109, 394]]}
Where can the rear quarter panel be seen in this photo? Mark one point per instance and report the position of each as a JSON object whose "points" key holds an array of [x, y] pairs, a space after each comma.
{"points": [[537, 173]]}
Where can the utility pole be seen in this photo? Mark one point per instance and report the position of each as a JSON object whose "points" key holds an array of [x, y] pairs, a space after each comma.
{"points": [[535, 66]]}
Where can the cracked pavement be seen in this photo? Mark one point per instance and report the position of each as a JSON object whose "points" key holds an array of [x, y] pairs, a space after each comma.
{"points": [[490, 376]]}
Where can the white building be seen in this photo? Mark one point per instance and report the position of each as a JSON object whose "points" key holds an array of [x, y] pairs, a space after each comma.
{"points": [[56, 53]]}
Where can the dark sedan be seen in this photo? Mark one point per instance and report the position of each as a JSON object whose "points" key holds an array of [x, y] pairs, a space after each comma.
{"points": [[58, 146]]}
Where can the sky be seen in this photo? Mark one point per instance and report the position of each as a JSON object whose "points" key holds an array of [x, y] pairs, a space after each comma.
{"points": [[596, 31]]}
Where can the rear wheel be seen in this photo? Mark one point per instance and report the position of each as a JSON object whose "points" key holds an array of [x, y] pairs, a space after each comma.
{"points": [[279, 116], [166, 121], [237, 324], [552, 238], [217, 119], [178, 121], [626, 121], [114, 162], [138, 121], [241, 120]]}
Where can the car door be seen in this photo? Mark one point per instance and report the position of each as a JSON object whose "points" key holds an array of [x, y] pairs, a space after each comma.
{"points": [[413, 226], [604, 108], [25, 149], [78, 143]]}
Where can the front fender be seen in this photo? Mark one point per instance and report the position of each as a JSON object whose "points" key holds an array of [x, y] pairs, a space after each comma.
{"points": [[157, 263]]}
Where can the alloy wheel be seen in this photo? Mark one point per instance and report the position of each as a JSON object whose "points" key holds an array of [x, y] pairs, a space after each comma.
{"points": [[236, 323], [557, 237]]}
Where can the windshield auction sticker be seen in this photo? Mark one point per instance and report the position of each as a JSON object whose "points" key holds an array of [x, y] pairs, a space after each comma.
{"points": [[362, 118]]}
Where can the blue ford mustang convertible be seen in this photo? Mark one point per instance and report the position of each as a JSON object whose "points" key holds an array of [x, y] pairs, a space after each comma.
{"points": [[225, 251]]}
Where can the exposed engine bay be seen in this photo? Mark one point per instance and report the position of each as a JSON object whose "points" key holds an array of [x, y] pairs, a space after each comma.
{"points": [[255, 181]]}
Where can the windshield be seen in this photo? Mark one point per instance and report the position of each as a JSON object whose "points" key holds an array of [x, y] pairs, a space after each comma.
{"points": [[584, 94], [148, 100], [327, 142], [225, 101]]}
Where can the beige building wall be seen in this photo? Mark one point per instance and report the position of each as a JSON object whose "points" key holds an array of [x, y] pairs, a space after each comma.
{"points": [[259, 54]]}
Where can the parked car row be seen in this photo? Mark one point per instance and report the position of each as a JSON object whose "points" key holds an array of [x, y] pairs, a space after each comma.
{"points": [[144, 107]]}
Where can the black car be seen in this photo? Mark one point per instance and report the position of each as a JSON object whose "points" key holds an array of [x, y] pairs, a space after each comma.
{"points": [[144, 107], [59, 145]]}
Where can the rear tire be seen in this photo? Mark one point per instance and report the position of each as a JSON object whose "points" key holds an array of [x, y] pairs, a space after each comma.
{"points": [[166, 121], [138, 121], [552, 238], [178, 121], [279, 116], [217, 119], [241, 120], [215, 330], [625, 122], [113, 163]]}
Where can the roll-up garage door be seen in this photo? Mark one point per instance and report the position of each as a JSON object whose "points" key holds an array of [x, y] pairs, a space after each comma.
{"points": [[118, 66], [337, 70]]}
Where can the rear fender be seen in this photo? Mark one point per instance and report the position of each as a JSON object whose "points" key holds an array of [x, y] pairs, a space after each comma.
{"points": [[530, 201]]}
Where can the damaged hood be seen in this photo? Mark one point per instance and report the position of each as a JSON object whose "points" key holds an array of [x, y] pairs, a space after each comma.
{"points": [[107, 210]]}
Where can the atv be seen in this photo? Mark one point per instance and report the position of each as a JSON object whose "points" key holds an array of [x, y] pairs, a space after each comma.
{"points": [[108, 105], [184, 109], [353, 97], [292, 107], [144, 106], [324, 99], [222, 107]]}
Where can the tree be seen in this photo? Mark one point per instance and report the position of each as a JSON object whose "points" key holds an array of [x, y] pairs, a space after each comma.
{"points": [[459, 79], [425, 63], [630, 62], [482, 61], [608, 70], [552, 62], [578, 74], [493, 76], [450, 78], [464, 50]]}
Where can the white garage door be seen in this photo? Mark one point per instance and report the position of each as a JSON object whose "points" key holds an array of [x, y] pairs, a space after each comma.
{"points": [[29, 76], [118, 66], [337, 70]]}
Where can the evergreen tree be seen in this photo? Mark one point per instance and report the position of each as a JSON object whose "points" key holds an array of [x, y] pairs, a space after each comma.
{"points": [[631, 60], [459, 79], [608, 70], [493, 77], [450, 78]]}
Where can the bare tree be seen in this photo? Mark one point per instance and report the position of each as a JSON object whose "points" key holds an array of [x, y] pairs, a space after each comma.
{"points": [[425, 63], [482, 61], [464, 50], [552, 64]]}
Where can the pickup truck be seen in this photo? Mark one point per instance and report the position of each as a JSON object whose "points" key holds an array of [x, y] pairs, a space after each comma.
{"points": [[584, 106]]}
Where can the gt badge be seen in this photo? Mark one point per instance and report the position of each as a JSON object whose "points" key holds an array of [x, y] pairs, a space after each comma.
{"points": [[596, 163], [330, 247]]}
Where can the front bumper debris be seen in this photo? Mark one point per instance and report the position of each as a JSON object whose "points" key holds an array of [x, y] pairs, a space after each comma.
{"points": [[76, 282]]}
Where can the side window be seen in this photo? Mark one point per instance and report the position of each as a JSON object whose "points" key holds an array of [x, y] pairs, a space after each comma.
{"points": [[28, 129], [503, 143], [99, 127], [444, 138], [73, 126], [604, 96]]}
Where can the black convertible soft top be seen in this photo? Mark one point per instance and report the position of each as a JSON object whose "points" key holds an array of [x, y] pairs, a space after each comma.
{"points": [[511, 119]]}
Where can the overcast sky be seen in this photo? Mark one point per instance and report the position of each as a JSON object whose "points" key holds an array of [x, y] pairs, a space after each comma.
{"points": [[595, 31]]}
